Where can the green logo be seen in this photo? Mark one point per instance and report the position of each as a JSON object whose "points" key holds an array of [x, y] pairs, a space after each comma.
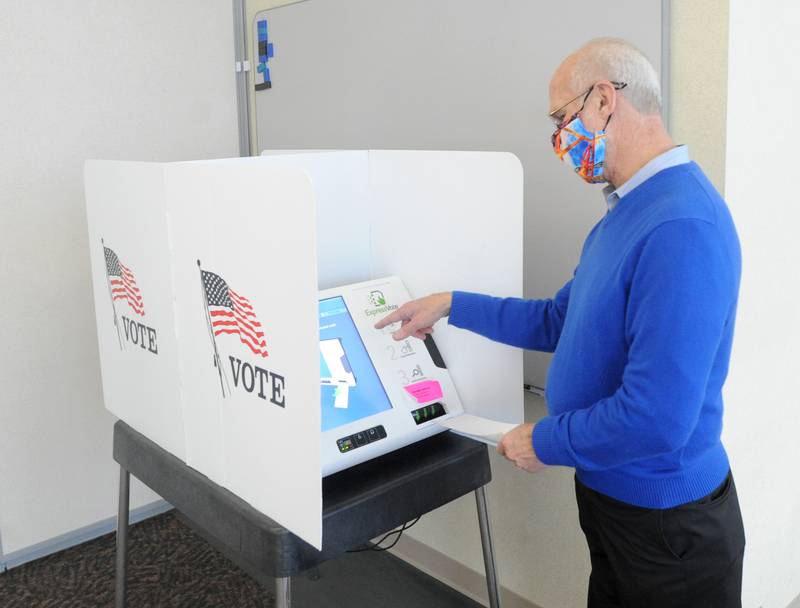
{"points": [[377, 298]]}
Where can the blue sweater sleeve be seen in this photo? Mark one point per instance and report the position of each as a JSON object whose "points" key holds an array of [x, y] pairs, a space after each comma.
{"points": [[532, 324], [682, 293]]}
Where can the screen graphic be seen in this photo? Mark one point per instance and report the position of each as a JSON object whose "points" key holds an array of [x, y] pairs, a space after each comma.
{"points": [[351, 389]]}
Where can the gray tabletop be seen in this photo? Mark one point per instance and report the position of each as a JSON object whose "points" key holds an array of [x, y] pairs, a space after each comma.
{"points": [[359, 503]]}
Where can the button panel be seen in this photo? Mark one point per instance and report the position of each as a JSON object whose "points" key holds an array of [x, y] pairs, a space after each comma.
{"points": [[356, 440]]}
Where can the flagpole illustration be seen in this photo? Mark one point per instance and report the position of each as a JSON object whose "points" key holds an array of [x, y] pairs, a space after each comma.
{"points": [[111, 295], [217, 362]]}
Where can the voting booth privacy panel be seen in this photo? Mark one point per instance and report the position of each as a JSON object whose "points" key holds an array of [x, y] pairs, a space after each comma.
{"points": [[207, 279], [199, 367]]}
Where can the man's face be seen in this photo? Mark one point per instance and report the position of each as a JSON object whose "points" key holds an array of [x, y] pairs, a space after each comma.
{"points": [[579, 143]]}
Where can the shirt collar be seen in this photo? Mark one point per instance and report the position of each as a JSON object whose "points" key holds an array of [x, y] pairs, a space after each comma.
{"points": [[678, 155]]}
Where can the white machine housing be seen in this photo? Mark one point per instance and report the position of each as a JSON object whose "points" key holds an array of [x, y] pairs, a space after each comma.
{"points": [[411, 371]]}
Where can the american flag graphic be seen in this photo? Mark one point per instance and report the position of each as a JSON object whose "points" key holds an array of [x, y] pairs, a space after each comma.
{"points": [[232, 313], [123, 283]]}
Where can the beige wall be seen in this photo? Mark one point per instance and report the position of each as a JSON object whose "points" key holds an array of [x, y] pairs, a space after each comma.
{"points": [[699, 89], [541, 554]]}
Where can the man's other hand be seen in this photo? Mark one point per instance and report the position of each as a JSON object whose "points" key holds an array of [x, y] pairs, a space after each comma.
{"points": [[517, 446], [418, 316]]}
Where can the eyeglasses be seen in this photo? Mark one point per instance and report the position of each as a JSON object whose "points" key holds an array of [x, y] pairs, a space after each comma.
{"points": [[562, 122]]}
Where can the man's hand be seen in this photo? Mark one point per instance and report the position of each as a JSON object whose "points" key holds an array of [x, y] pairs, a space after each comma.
{"points": [[418, 316], [517, 446]]}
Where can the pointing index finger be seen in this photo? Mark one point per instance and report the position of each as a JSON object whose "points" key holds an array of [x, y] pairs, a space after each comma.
{"points": [[392, 317]]}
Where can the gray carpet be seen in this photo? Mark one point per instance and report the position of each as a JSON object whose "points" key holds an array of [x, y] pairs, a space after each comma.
{"points": [[171, 567]]}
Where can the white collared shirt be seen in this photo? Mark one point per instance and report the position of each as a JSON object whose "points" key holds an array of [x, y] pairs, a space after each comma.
{"points": [[678, 155]]}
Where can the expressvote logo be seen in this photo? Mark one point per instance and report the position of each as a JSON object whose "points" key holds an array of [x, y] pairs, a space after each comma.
{"points": [[377, 303], [229, 313], [122, 288], [377, 298]]}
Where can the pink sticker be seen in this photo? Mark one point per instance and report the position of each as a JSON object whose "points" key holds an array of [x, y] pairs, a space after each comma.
{"points": [[427, 390]]}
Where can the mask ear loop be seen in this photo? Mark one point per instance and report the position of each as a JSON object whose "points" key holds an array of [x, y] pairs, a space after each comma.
{"points": [[618, 86]]}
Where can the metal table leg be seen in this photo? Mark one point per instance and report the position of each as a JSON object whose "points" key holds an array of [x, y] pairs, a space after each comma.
{"points": [[488, 548], [121, 587], [283, 592]]}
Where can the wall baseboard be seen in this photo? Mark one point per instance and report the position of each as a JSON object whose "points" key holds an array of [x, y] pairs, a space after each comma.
{"points": [[453, 573], [81, 535]]}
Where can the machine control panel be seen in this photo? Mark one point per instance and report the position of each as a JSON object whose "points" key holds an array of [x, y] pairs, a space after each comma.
{"points": [[356, 440]]}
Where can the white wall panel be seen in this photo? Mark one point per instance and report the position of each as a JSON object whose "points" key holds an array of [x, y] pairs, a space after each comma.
{"points": [[762, 395], [145, 80]]}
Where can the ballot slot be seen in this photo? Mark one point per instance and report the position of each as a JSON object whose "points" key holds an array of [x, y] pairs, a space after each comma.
{"points": [[428, 413], [377, 394]]}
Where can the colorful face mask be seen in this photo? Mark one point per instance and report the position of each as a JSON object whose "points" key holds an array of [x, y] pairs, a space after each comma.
{"points": [[585, 150]]}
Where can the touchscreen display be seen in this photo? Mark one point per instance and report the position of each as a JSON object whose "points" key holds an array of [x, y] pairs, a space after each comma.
{"points": [[351, 389]]}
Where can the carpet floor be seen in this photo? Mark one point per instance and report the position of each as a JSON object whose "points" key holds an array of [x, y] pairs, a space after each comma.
{"points": [[169, 566]]}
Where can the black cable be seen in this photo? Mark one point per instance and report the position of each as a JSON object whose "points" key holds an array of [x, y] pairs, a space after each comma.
{"points": [[399, 533], [377, 546], [393, 543]]}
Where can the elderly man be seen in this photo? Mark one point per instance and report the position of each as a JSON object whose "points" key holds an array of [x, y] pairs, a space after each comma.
{"points": [[642, 337]]}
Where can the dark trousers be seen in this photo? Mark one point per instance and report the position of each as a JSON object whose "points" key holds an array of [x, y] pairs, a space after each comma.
{"points": [[688, 556]]}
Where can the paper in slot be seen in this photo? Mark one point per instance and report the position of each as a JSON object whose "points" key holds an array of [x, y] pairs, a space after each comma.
{"points": [[481, 429]]}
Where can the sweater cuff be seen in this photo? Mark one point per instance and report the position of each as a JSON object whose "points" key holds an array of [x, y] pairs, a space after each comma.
{"points": [[465, 309], [548, 446]]}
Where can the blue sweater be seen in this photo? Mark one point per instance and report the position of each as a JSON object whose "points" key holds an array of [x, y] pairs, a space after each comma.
{"points": [[642, 338]]}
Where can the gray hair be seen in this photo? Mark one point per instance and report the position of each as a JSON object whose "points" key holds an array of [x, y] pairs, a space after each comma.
{"points": [[617, 60]]}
